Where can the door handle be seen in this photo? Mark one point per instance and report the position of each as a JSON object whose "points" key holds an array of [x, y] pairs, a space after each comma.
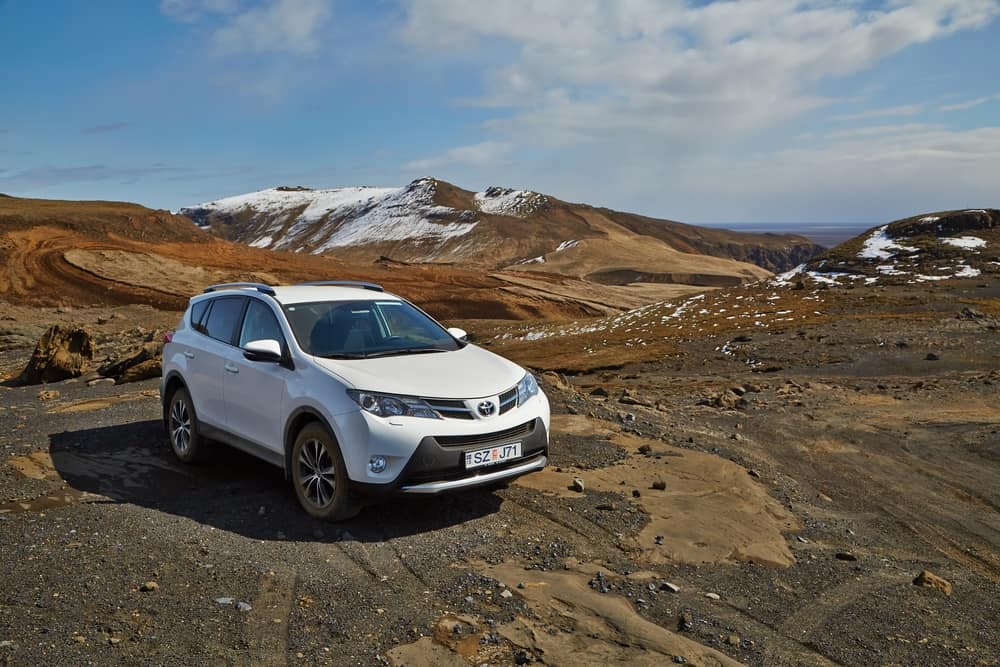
{"points": [[231, 368], [189, 354]]}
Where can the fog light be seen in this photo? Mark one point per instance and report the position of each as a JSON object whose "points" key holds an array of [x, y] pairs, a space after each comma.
{"points": [[377, 464]]}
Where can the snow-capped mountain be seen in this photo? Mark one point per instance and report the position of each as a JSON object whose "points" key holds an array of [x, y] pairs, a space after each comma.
{"points": [[430, 220]]}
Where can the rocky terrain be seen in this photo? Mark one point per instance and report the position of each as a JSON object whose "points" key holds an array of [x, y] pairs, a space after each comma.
{"points": [[799, 471], [433, 221]]}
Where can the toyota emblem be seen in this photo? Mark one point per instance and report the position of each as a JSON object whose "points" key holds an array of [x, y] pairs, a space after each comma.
{"points": [[486, 408]]}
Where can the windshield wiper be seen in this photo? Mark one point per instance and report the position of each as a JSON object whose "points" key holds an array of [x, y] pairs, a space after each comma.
{"points": [[342, 356], [403, 350]]}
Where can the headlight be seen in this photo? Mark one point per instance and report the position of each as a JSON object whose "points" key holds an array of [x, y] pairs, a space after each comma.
{"points": [[526, 388], [387, 405]]}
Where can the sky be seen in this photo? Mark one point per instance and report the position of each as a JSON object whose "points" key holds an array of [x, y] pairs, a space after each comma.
{"points": [[753, 110]]}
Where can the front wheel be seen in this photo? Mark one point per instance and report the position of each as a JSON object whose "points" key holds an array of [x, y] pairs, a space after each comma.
{"points": [[182, 427], [320, 477]]}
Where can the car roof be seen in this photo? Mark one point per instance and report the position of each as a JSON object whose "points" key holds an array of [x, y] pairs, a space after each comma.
{"points": [[290, 294]]}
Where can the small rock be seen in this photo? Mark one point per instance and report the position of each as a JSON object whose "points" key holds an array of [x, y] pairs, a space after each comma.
{"points": [[506, 594], [636, 493], [667, 586], [658, 539], [6, 643], [114, 641], [149, 587], [100, 381], [243, 606], [802, 539], [930, 580], [659, 485], [733, 640], [645, 449], [713, 596], [48, 394], [931, 357], [845, 555], [78, 638], [224, 601], [753, 473], [469, 599], [606, 507], [679, 660], [577, 485], [686, 621], [599, 391], [520, 584], [522, 658]]}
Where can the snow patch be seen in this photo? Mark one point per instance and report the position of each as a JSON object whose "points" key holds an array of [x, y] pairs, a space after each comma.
{"points": [[566, 245], [880, 246], [967, 242], [505, 201], [262, 242]]}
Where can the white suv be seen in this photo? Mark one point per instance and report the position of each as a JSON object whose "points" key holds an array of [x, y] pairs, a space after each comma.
{"points": [[350, 390]]}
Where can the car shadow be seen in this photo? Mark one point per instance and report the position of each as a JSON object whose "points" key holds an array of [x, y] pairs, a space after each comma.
{"points": [[132, 463]]}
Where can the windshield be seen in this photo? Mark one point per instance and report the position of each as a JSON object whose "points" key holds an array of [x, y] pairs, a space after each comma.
{"points": [[364, 329]]}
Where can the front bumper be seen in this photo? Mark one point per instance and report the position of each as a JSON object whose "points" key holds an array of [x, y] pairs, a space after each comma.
{"points": [[437, 467]]}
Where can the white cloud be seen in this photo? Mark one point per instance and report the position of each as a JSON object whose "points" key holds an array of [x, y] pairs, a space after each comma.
{"points": [[968, 104], [189, 11], [587, 70], [901, 110], [476, 155], [278, 26]]}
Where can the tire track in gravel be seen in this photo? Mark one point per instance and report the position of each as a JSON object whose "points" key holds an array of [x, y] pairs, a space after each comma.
{"points": [[266, 629], [811, 616]]}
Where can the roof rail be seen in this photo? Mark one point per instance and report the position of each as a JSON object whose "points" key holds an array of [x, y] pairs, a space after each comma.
{"points": [[348, 283], [260, 287]]}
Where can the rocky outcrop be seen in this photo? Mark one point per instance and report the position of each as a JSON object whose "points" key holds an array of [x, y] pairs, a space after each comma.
{"points": [[62, 352], [141, 365]]}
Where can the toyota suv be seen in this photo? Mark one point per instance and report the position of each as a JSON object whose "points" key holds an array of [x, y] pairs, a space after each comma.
{"points": [[351, 390]]}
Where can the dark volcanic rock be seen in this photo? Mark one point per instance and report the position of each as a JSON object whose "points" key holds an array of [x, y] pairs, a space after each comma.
{"points": [[62, 353]]}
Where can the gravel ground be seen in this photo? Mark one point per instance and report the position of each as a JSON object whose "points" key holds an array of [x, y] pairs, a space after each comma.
{"points": [[874, 467]]}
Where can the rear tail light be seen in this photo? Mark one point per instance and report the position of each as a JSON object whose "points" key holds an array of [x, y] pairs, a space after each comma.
{"points": [[168, 336]]}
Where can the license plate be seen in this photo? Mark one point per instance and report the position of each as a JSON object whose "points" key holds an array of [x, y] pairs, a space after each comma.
{"points": [[492, 455]]}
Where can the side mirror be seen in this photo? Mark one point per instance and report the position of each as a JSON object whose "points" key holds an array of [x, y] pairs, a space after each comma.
{"points": [[263, 350], [460, 334]]}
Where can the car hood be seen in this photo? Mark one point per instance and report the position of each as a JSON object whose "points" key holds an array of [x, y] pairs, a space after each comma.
{"points": [[470, 372]]}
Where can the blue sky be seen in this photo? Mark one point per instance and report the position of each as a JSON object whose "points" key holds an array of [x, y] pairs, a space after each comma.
{"points": [[757, 110]]}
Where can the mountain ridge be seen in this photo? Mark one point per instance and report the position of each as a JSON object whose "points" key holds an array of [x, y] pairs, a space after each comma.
{"points": [[430, 220]]}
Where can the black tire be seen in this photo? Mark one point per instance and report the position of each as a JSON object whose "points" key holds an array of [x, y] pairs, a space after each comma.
{"points": [[319, 475], [182, 428]]}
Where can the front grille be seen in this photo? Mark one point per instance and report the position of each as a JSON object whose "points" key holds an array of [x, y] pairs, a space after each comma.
{"points": [[508, 400], [450, 409], [486, 438]]}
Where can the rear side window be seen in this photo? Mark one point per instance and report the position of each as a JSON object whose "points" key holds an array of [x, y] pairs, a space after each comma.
{"points": [[225, 315], [197, 313]]}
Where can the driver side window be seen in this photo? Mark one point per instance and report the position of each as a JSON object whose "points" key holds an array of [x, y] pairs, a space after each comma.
{"points": [[260, 324]]}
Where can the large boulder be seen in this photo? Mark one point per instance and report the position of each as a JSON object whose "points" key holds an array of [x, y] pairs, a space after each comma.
{"points": [[62, 352]]}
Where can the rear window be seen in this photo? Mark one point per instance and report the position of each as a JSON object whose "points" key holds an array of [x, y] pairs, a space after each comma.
{"points": [[225, 316]]}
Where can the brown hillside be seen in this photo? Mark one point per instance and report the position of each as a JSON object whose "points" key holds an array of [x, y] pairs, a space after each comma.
{"points": [[83, 253]]}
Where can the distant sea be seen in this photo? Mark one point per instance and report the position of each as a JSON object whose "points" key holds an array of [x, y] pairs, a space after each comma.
{"points": [[826, 234]]}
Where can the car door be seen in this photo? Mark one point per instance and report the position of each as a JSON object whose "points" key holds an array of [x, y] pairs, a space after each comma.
{"points": [[207, 357], [255, 390]]}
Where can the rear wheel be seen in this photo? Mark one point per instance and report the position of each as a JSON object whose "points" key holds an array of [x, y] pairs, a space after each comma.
{"points": [[320, 477], [182, 427]]}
